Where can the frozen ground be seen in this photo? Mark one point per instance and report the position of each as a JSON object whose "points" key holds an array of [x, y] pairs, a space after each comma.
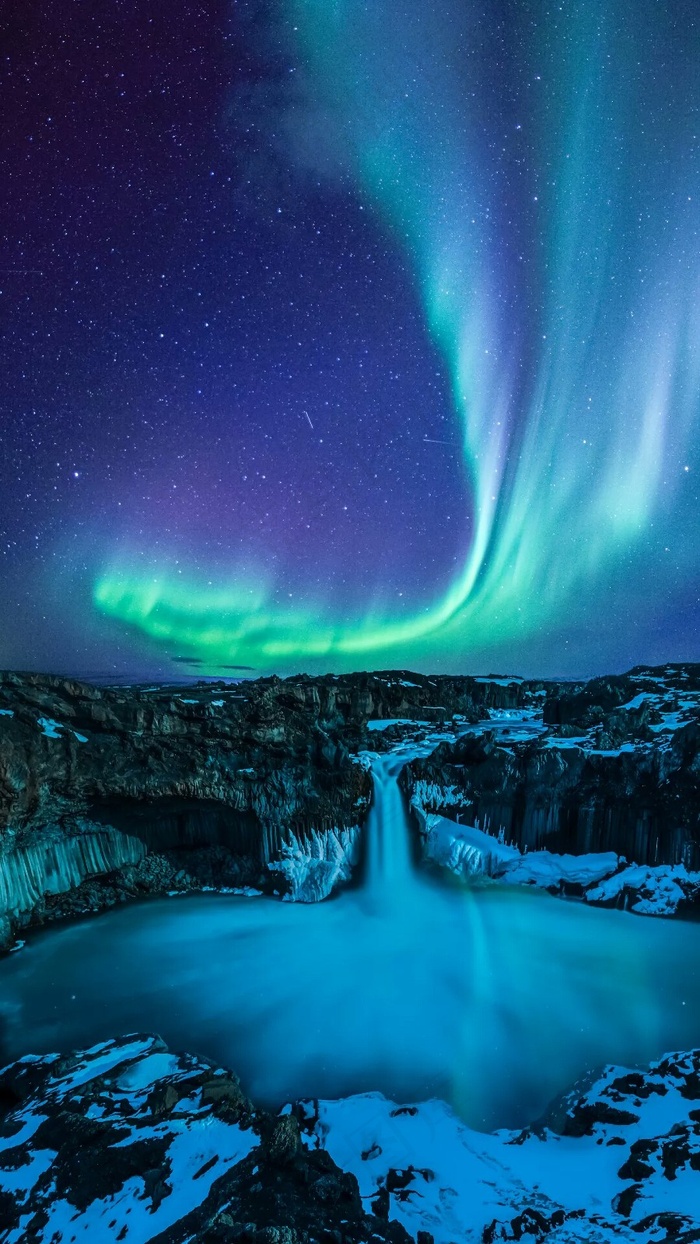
{"points": [[161, 1135]]}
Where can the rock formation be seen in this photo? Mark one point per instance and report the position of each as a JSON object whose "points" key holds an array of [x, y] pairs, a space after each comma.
{"points": [[107, 793], [127, 1141], [615, 768]]}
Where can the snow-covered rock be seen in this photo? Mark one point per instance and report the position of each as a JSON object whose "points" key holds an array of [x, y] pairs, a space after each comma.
{"points": [[555, 872], [464, 849], [129, 1142], [602, 878], [649, 891], [620, 1161], [311, 867], [126, 1142], [469, 851]]}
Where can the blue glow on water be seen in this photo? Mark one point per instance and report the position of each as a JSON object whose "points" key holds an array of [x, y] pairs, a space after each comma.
{"points": [[494, 998]]}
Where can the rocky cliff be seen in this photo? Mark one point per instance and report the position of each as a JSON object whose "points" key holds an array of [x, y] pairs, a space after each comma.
{"points": [[614, 767], [130, 1142], [110, 792]]}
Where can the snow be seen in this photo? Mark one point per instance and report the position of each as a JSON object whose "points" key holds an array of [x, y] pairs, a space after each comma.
{"points": [[198, 1147], [578, 740], [514, 714], [656, 890], [464, 849], [7, 712], [638, 700], [501, 682], [25, 1177], [383, 723], [314, 865], [218, 703], [82, 738], [547, 870], [50, 728], [195, 1143], [670, 721], [144, 1073], [432, 794], [604, 876], [468, 851], [103, 1058], [456, 1181], [583, 742]]}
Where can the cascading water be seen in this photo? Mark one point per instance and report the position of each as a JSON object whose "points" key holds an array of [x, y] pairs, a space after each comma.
{"points": [[493, 998], [390, 871]]}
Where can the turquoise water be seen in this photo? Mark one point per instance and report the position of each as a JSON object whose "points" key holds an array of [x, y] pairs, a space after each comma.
{"points": [[494, 998]]}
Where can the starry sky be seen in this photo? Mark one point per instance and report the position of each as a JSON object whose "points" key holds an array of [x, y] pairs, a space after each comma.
{"points": [[341, 334]]}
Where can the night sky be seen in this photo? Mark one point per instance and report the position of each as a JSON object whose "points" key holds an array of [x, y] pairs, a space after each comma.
{"points": [[341, 334]]}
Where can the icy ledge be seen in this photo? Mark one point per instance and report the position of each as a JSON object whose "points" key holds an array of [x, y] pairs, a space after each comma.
{"points": [[603, 878], [310, 868]]}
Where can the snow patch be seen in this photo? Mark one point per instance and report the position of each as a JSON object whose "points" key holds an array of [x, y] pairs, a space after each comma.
{"points": [[649, 890]]}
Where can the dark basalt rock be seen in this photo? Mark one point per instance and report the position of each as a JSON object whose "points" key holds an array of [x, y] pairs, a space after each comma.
{"points": [[626, 780], [280, 1192], [583, 1117], [112, 793], [120, 792]]}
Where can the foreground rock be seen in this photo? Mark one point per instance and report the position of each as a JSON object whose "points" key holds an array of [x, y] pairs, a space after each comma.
{"points": [[128, 1142], [618, 1160]]}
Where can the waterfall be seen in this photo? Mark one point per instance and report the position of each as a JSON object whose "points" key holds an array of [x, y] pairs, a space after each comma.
{"points": [[389, 865], [390, 872]]}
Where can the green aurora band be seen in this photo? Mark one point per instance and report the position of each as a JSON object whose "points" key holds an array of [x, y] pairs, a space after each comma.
{"points": [[572, 342]]}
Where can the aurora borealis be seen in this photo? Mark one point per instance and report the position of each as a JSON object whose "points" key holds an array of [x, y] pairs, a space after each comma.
{"points": [[354, 334]]}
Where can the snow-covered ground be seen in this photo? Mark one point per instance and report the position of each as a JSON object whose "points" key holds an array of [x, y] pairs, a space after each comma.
{"points": [[602, 877], [124, 1140], [629, 1153], [107, 1195], [651, 891]]}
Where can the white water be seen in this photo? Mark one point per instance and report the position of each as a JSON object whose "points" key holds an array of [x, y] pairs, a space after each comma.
{"points": [[390, 875], [493, 998]]}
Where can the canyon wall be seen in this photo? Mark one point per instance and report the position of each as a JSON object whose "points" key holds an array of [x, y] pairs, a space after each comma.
{"points": [[113, 792], [616, 768], [249, 784]]}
